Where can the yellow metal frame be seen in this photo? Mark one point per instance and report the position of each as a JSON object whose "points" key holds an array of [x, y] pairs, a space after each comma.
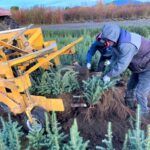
{"points": [[27, 47]]}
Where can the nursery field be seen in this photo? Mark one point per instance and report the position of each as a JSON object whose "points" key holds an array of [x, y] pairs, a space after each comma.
{"points": [[95, 115]]}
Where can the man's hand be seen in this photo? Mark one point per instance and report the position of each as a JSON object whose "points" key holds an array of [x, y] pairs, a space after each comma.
{"points": [[106, 79], [88, 66], [107, 62]]}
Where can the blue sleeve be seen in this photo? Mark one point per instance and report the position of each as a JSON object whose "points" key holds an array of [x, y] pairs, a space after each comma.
{"points": [[126, 52], [92, 50]]}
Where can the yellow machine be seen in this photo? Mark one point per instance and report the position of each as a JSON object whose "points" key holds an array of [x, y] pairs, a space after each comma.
{"points": [[22, 51]]}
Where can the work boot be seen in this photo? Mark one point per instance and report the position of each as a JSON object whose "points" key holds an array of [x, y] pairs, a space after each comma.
{"points": [[146, 114], [130, 103], [130, 100]]}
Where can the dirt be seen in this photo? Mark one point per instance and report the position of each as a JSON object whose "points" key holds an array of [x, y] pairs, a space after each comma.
{"points": [[93, 121], [92, 25]]}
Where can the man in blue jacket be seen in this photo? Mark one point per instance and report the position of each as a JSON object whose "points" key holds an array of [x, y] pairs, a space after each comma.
{"points": [[133, 51], [105, 53]]}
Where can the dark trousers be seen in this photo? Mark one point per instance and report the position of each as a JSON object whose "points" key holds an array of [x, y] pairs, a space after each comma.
{"points": [[139, 86]]}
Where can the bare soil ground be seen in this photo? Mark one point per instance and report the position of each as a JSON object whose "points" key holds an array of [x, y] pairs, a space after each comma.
{"points": [[93, 121]]}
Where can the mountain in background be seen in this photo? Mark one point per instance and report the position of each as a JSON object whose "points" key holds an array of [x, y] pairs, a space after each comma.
{"points": [[94, 2], [126, 2]]}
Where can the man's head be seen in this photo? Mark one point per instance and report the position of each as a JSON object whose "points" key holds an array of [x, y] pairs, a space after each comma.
{"points": [[104, 42], [110, 33]]}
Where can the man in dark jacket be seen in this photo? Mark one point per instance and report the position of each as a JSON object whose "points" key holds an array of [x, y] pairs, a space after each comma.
{"points": [[133, 51], [105, 50]]}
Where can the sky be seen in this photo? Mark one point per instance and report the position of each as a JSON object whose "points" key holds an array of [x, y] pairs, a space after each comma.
{"points": [[53, 3]]}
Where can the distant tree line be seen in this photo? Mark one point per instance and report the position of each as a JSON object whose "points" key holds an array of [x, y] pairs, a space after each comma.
{"points": [[100, 12]]}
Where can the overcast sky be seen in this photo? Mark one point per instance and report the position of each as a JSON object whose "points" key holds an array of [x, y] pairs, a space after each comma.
{"points": [[53, 3]]}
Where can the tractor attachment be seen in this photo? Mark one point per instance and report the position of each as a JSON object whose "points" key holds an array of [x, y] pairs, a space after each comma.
{"points": [[22, 51]]}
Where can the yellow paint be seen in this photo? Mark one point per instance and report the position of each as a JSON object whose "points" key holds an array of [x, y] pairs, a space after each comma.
{"points": [[29, 52]]}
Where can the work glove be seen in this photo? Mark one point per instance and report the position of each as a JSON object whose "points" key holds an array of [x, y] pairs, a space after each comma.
{"points": [[88, 66], [107, 62], [106, 79]]}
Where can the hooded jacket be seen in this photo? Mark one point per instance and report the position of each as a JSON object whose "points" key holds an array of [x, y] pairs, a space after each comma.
{"points": [[132, 50], [97, 45]]}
